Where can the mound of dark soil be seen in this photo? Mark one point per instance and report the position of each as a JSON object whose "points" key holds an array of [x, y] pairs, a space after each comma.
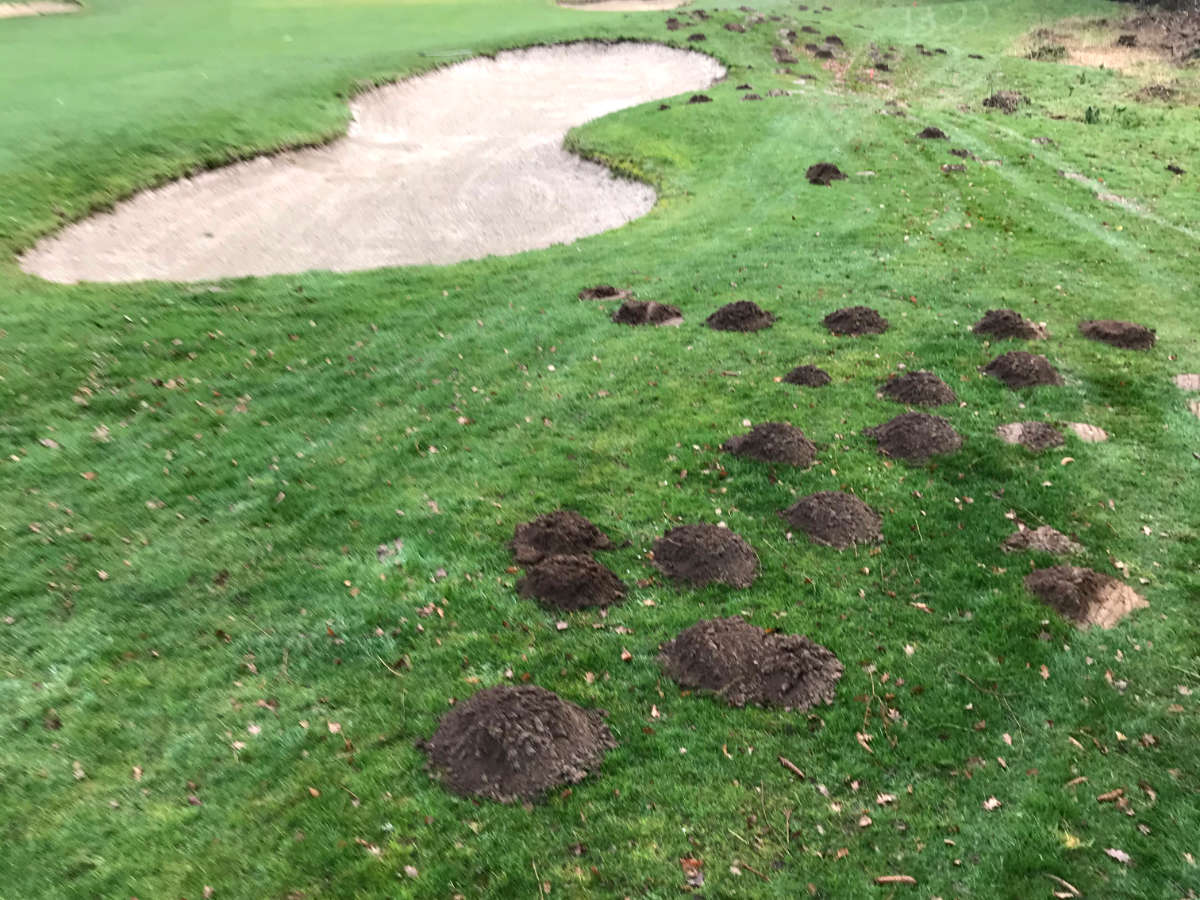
{"points": [[783, 56], [1043, 538], [560, 532], [1008, 323], [774, 442], [571, 582], [824, 173], [1037, 436], [697, 37], [735, 27], [961, 153], [807, 376], [933, 133], [1084, 596], [823, 53], [835, 519], [915, 436], [515, 742], [700, 98], [834, 40], [602, 292], [855, 320], [751, 97], [744, 87], [1019, 369], [1007, 102], [1127, 335], [702, 554], [743, 664], [647, 312], [740, 316], [673, 24], [808, 29], [1175, 170], [919, 389]]}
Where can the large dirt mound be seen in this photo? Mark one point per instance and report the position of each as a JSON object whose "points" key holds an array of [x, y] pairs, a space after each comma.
{"points": [[824, 173], [915, 436], [740, 316], [1037, 436], [1084, 596], [516, 742], [1043, 538], [1008, 323], [919, 389], [855, 320], [807, 376], [702, 554], [1019, 369], [743, 664], [835, 519], [560, 532], [1126, 335], [647, 312], [774, 442], [571, 582]]}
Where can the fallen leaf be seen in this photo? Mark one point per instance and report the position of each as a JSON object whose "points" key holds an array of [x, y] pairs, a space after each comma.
{"points": [[1120, 856], [885, 799], [1045, 672], [626, 656], [411, 871], [991, 803], [693, 871], [314, 792], [895, 879], [335, 727], [77, 771], [864, 741]]}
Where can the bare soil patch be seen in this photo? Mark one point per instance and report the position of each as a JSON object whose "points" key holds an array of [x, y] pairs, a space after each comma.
{"points": [[1126, 335], [933, 133], [603, 292], [835, 519], [1084, 596], [854, 321], [1019, 369], [515, 742], [647, 312], [807, 376], [915, 436], [1043, 538], [824, 174], [1007, 102], [918, 389], [700, 98], [1089, 434], [743, 664], [742, 315], [1009, 324], [1037, 436], [774, 442], [571, 582], [702, 554], [1187, 382], [38, 8], [560, 532]]}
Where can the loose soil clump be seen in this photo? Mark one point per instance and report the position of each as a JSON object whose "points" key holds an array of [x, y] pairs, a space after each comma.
{"points": [[1019, 369], [919, 389], [824, 174], [1009, 324], [854, 321], [700, 98], [774, 442], [807, 376], [602, 292], [933, 133], [571, 582], [647, 312], [560, 532], [1037, 436], [744, 664], [1089, 434], [1043, 538], [1126, 335], [915, 436], [740, 316], [702, 554], [835, 519], [1008, 102], [1084, 596], [515, 742]]}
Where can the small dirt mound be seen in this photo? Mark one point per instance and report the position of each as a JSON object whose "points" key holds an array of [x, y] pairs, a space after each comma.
{"points": [[915, 436], [854, 321], [1089, 434], [961, 153], [1084, 596], [740, 316], [808, 29], [1126, 335], [774, 442], [697, 37], [673, 24], [515, 742], [735, 27], [647, 312], [702, 554], [783, 56], [700, 98], [919, 389], [835, 519], [560, 532], [750, 97], [1006, 324], [1043, 538], [602, 292], [1007, 102], [1019, 369], [1187, 382], [933, 133], [807, 376], [743, 664], [834, 40], [824, 173], [1037, 436], [571, 582]]}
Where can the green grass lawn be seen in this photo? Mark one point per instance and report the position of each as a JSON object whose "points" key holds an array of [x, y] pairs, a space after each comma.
{"points": [[191, 595]]}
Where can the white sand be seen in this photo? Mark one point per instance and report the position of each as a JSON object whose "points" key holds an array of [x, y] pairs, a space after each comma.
{"points": [[38, 8], [459, 164]]}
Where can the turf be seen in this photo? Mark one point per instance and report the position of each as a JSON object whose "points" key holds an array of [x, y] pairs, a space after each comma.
{"points": [[211, 681]]}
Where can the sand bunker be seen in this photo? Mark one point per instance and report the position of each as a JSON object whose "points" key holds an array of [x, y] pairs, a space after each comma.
{"points": [[571, 582], [741, 663], [1019, 369], [835, 519], [915, 436], [560, 532], [459, 164], [918, 389], [1043, 538], [1037, 436], [18, 10], [740, 316], [774, 442], [647, 312], [855, 320], [701, 554], [1126, 335], [1008, 323], [807, 376], [516, 742], [1084, 596]]}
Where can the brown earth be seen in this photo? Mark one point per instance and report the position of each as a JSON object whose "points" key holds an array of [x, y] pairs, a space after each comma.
{"points": [[560, 532], [918, 389], [807, 376], [835, 519], [1043, 538], [1037, 436], [834, 40], [953, 167], [735, 27], [774, 442], [933, 133], [783, 56], [647, 312], [743, 664], [1084, 596], [1019, 369], [1089, 434], [571, 582], [1007, 102], [740, 316], [700, 98], [515, 742], [1187, 382], [1126, 335], [915, 436], [824, 173], [602, 292], [702, 554], [855, 320], [751, 97], [1008, 323]]}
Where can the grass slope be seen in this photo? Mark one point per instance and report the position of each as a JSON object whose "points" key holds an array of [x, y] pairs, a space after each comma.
{"points": [[192, 595]]}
